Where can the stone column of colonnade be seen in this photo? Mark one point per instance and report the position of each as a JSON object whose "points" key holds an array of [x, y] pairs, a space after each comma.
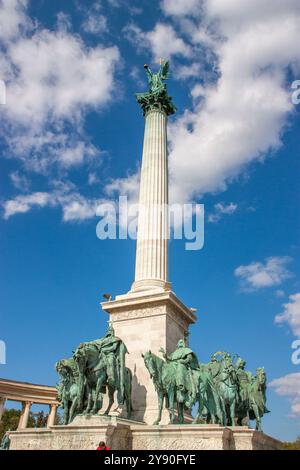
{"points": [[52, 415], [151, 270], [23, 422], [2, 405]]}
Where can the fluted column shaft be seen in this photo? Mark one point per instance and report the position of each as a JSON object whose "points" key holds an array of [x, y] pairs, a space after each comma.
{"points": [[52, 415], [25, 415], [151, 270]]}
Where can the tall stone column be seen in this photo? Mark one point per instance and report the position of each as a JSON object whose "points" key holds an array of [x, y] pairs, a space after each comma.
{"points": [[52, 415], [150, 316], [2, 405], [151, 269], [25, 415]]}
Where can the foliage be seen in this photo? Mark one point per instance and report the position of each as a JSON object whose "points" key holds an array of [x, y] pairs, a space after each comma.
{"points": [[10, 421], [292, 445]]}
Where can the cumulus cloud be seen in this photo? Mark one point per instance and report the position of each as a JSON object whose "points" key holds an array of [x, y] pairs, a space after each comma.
{"points": [[258, 275], [181, 7], [242, 115], [52, 80], [24, 203], [245, 104], [291, 314], [19, 181], [162, 41], [75, 207], [289, 386], [13, 19], [95, 22], [220, 210], [125, 187]]}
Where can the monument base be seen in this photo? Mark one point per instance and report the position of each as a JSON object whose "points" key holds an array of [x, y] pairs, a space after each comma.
{"points": [[148, 321], [120, 434]]}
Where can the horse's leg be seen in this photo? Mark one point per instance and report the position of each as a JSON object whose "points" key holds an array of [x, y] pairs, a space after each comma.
{"points": [[66, 411], [200, 405], [160, 397], [73, 409], [232, 412], [217, 405], [171, 395], [257, 417], [89, 399], [223, 412], [111, 392], [180, 413], [99, 384]]}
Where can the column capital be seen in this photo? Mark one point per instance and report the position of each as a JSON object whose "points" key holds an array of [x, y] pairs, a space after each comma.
{"points": [[28, 403]]}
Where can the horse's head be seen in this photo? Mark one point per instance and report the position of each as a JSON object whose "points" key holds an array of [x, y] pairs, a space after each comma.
{"points": [[66, 376], [80, 358], [58, 366], [150, 363], [261, 377], [61, 368]]}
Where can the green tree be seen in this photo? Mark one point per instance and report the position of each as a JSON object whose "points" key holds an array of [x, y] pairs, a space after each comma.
{"points": [[10, 421], [292, 445]]}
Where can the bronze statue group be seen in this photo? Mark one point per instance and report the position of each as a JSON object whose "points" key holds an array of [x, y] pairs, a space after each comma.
{"points": [[225, 392]]}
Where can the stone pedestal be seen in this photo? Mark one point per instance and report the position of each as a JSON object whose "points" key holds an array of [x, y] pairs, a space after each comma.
{"points": [[181, 437], [148, 321], [244, 438], [84, 433], [120, 434]]}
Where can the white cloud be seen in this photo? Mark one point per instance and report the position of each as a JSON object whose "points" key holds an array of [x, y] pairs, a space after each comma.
{"points": [[25, 203], [75, 207], [125, 187], [93, 178], [220, 210], [52, 80], [19, 181], [13, 19], [78, 208], [184, 72], [291, 314], [162, 40], [259, 275], [181, 7], [243, 114], [289, 386], [95, 22], [249, 46]]}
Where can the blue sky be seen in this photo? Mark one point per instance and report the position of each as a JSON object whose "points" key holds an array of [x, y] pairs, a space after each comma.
{"points": [[71, 136]]}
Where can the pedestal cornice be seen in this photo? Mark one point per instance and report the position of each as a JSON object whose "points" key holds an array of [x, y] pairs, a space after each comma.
{"points": [[134, 305]]}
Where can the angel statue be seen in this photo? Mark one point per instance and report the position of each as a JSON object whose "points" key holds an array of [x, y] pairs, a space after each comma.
{"points": [[157, 95], [156, 80]]}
